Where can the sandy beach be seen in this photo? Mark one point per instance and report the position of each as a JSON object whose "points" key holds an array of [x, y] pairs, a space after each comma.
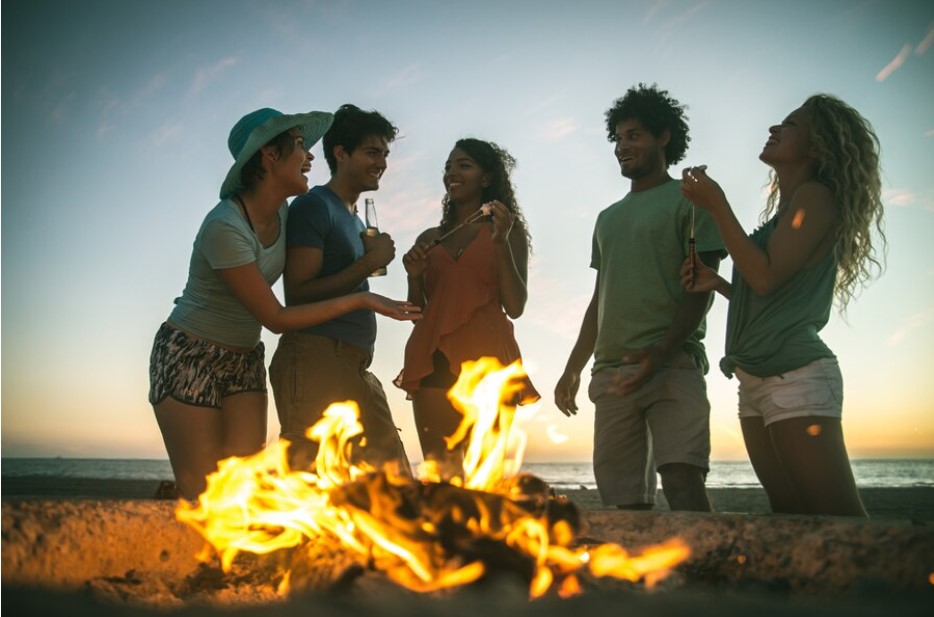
{"points": [[85, 533], [903, 503]]}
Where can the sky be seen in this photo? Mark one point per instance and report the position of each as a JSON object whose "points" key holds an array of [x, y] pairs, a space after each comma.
{"points": [[115, 116]]}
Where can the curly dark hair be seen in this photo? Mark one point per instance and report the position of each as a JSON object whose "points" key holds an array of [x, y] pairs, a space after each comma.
{"points": [[657, 111], [497, 162], [350, 127]]}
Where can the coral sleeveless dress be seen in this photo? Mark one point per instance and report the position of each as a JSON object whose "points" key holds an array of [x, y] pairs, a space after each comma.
{"points": [[463, 317]]}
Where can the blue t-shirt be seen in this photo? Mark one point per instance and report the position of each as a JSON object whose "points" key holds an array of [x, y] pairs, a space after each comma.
{"points": [[319, 219], [206, 307]]}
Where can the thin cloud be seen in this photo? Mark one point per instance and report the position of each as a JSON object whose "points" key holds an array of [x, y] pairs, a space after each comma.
{"points": [[926, 42], [898, 197], [684, 16], [895, 64], [151, 87], [209, 74], [166, 133], [560, 128], [60, 112], [103, 129], [929, 133], [409, 76], [555, 435], [653, 10], [405, 214], [911, 324], [906, 198], [563, 313]]}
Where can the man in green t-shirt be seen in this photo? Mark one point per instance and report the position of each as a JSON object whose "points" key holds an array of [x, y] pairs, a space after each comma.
{"points": [[644, 331]]}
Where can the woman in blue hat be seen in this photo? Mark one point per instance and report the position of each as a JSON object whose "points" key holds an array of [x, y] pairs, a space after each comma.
{"points": [[207, 368]]}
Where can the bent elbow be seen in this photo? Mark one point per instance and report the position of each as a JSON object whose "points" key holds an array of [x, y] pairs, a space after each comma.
{"points": [[274, 325]]}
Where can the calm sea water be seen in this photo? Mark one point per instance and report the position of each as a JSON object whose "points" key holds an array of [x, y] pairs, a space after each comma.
{"points": [[736, 474]]}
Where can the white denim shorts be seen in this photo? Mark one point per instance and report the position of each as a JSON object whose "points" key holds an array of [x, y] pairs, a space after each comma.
{"points": [[815, 389]]}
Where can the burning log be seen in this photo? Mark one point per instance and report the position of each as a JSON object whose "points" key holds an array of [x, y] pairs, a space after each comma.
{"points": [[425, 535]]}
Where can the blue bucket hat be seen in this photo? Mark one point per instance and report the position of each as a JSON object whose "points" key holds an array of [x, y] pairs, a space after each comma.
{"points": [[257, 128]]}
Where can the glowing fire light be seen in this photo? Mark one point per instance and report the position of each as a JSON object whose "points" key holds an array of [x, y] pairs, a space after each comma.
{"points": [[425, 535]]}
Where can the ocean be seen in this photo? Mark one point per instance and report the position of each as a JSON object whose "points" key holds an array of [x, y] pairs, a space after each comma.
{"points": [[723, 474]]}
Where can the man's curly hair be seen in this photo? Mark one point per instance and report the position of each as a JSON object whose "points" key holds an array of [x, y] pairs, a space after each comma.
{"points": [[657, 111]]}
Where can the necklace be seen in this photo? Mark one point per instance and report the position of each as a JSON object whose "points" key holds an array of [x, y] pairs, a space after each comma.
{"points": [[246, 212]]}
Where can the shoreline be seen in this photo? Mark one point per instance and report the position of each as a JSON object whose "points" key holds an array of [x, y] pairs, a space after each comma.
{"points": [[901, 503]]}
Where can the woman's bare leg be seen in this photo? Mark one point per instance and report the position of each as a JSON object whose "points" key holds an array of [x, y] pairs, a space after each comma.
{"points": [[781, 492], [813, 455], [244, 423], [192, 437], [435, 419]]}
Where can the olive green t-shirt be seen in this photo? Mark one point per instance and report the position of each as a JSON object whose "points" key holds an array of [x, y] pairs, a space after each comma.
{"points": [[771, 335], [639, 244]]}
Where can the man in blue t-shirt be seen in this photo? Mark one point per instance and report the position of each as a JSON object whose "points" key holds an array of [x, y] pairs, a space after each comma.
{"points": [[328, 256]]}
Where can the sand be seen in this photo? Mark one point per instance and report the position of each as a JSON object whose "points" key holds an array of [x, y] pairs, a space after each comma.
{"points": [[903, 503], [110, 595]]}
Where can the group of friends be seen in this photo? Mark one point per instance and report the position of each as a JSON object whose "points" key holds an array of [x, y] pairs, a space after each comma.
{"points": [[656, 253]]}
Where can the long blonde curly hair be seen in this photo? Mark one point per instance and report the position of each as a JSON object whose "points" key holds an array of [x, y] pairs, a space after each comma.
{"points": [[848, 164]]}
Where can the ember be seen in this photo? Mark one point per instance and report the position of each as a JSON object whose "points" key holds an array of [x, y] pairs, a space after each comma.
{"points": [[427, 534]]}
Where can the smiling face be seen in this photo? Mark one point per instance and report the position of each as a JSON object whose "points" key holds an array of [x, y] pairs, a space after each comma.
{"points": [[464, 179], [639, 152], [364, 167], [790, 141], [291, 168]]}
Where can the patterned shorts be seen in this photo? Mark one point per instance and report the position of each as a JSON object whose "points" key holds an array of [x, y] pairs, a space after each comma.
{"points": [[196, 372]]}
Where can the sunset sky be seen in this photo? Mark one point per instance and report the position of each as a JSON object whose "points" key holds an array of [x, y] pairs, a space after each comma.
{"points": [[115, 117]]}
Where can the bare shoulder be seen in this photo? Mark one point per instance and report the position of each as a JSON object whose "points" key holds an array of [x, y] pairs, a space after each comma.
{"points": [[427, 236], [814, 193]]}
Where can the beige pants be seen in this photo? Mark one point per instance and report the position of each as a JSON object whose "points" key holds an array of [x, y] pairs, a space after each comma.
{"points": [[308, 372]]}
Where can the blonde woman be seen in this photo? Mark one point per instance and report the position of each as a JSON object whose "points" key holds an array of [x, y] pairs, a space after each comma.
{"points": [[815, 245]]}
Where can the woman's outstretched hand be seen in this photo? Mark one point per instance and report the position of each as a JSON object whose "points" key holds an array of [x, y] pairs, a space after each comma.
{"points": [[396, 309], [698, 188]]}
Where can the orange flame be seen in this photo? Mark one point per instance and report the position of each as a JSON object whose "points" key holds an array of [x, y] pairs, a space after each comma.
{"points": [[403, 528]]}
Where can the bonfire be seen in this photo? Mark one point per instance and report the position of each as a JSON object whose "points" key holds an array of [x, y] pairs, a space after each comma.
{"points": [[427, 533]]}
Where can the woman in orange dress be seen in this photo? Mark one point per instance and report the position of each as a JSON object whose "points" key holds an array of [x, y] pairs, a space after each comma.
{"points": [[470, 285]]}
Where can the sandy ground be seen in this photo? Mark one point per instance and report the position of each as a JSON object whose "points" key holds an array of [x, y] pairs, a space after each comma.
{"points": [[913, 503], [694, 600]]}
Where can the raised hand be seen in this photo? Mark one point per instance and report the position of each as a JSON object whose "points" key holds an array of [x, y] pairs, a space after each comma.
{"points": [[415, 260], [503, 220], [698, 188]]}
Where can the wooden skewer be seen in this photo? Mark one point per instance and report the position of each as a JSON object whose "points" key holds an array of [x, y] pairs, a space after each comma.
{"points": [[473, 218]]}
